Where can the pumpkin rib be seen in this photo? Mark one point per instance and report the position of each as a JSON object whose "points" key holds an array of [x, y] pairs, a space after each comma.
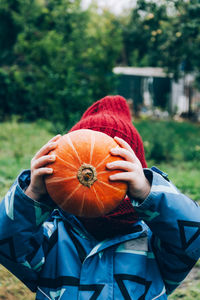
{"points": [[110, 186], [103, 172], [109, 155], [72, 193], [83, 154], [92, 147], [99, 165], [61, 179], [67, 163], [99, 200], [73, 148]]}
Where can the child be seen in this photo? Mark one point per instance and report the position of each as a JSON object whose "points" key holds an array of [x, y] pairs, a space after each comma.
{"points": [[141, 250]]}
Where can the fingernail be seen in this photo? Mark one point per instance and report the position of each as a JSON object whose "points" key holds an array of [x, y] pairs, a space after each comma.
{"points": [[50, 171], [53, 157]]}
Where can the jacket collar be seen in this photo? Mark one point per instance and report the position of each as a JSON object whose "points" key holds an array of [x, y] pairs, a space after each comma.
{"points": [[77, 226]]}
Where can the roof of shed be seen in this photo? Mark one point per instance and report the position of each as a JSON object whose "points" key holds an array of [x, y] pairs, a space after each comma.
{"points": [[143, 72]]}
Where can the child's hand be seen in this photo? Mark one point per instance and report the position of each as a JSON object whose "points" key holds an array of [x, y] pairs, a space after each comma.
{"points": [[37, 187], [138, 186]]}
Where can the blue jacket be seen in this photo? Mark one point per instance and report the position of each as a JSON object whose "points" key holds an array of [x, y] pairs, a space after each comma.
{"points": [[54, 255]]}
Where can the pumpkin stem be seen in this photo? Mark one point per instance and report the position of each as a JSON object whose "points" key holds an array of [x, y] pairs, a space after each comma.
{"points": [[87, 175]]}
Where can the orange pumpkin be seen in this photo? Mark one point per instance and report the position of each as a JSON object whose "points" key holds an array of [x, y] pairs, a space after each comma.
{"points": [[80, 181]]}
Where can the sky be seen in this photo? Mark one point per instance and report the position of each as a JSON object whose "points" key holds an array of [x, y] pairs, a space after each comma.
{"points": [[115, 6]]}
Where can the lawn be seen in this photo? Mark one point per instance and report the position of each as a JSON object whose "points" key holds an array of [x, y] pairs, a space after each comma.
{"points": [[171, 146]]}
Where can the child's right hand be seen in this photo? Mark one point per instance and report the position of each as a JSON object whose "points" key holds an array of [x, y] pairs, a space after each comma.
{"points": [[39, 168]]}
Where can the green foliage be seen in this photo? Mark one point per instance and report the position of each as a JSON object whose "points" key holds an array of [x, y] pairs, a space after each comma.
{"points": [[183, 39], [103, 45], [165, 141], [143, 33], [58, 61], [164, 34]]}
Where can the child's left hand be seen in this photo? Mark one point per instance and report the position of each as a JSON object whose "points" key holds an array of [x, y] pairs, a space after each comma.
{"points": [[138, 185]]}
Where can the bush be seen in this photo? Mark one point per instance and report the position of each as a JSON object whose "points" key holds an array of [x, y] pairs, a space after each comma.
{"points": [[169, 140]]}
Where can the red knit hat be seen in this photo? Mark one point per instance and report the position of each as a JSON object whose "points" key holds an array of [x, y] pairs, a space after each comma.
{"points": [[111, 115]]}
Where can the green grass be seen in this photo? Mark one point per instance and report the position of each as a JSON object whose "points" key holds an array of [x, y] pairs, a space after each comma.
{"points": [[185, 175], [19, 142], [172, 147]]}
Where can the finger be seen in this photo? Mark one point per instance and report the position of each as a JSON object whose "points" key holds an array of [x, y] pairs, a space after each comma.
{"points": [[43, 161], [50, 145], [55, 138], [43, 171], [121, 165], [124, 153], [122, 176], [122, 143], [46, 149]]}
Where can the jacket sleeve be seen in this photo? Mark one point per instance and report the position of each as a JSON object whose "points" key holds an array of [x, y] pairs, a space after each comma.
{"points": [[174, 221], [21, 232]]}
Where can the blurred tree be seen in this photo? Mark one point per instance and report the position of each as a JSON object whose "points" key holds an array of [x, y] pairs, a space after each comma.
{"points": [[163, 34], [48, 60], [8, 30], [143, 33], [103, 47], [181, 48], [62, 59]]}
